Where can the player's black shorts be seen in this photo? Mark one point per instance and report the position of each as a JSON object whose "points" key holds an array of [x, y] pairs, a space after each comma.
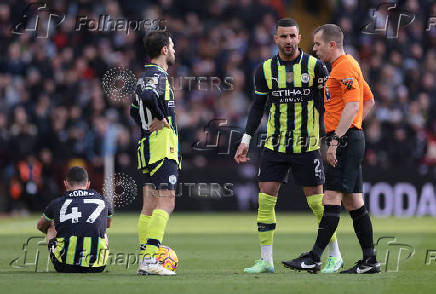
{"points": [[162, 174], [61, 267], [346, 177], [307, 167]]}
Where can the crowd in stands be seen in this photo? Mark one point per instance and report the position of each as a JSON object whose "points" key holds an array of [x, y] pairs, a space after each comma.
{"points": [[54, 114]]}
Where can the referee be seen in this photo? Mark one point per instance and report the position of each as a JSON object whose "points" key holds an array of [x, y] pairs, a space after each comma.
{"points": [[348, 99], [293, 83]]}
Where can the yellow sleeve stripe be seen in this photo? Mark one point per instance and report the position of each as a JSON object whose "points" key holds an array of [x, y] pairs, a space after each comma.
{"points": [[267, 73], [47, 218], [311, 65]]}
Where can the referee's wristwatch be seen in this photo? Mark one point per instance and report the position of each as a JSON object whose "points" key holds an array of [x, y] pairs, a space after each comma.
{"points": [[333, 136]]}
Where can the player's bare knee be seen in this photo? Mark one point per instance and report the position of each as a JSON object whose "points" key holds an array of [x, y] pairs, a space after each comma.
{"points": [[270, 188], [331, 198], [167, 200], [353, 201], [312, 190], [150, 199]]}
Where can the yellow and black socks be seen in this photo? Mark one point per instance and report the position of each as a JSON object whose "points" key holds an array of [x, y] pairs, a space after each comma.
{"points": [[315, 203], [143, 222], [266, 224], [155, 231]]}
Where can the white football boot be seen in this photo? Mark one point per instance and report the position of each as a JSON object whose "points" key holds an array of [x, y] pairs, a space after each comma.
{"points": [[150, 266]]}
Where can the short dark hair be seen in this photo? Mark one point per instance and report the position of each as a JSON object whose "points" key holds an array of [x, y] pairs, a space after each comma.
{"points": [[287, 22], [77, 175], [331, 32], [154, 42]]}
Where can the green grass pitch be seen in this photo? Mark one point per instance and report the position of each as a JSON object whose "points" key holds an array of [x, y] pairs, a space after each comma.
{"points": [[214, 248]]}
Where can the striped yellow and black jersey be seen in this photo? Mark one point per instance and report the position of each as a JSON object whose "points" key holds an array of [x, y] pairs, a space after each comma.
{"points": [[292, 92], [80, 220], [154, 98]]}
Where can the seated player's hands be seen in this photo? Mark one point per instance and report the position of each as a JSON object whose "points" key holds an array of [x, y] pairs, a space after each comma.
{"points": [[241, 153], [157, 125], [331, 153]]}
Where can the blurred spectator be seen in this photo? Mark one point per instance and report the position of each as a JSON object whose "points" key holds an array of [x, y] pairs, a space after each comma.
{"points": [[53, 111]]}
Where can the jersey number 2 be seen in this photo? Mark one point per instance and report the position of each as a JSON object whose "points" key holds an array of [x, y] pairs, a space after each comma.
{"points": [[75, 214]]}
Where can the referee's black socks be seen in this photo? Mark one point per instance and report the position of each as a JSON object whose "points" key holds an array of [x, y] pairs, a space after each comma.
{"points": [[363, 229], [326, 229]]}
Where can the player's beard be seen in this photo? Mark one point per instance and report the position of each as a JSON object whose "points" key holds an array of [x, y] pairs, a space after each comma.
{"points": [[290, 53], [171, 60]]}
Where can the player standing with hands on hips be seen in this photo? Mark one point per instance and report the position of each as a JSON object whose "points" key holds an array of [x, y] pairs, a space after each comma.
{"points": [[159, 157]]}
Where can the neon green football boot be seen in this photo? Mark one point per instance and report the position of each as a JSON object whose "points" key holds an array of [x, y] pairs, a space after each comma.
{"points": [[333, 265], [260, 266]]}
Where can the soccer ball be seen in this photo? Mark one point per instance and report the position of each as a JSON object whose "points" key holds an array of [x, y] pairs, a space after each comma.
{"points": [[167, 258]]}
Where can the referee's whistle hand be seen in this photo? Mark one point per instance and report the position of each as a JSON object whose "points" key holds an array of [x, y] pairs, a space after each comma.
{"points": [[241, 154]]}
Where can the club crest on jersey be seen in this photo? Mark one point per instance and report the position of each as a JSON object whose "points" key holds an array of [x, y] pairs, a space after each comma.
{"points": [[348, 82], [289, 77], [305, 78], [172, 179]]}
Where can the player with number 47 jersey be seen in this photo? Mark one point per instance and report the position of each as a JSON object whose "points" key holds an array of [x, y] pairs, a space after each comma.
{"points": [[76, 224]]}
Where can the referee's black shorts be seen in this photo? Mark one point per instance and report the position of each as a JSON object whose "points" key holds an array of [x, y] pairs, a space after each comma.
{"points": [[346, 177]]}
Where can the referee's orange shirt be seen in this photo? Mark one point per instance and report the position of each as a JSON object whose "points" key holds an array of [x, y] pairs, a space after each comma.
{"points": [[345, 84]]}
